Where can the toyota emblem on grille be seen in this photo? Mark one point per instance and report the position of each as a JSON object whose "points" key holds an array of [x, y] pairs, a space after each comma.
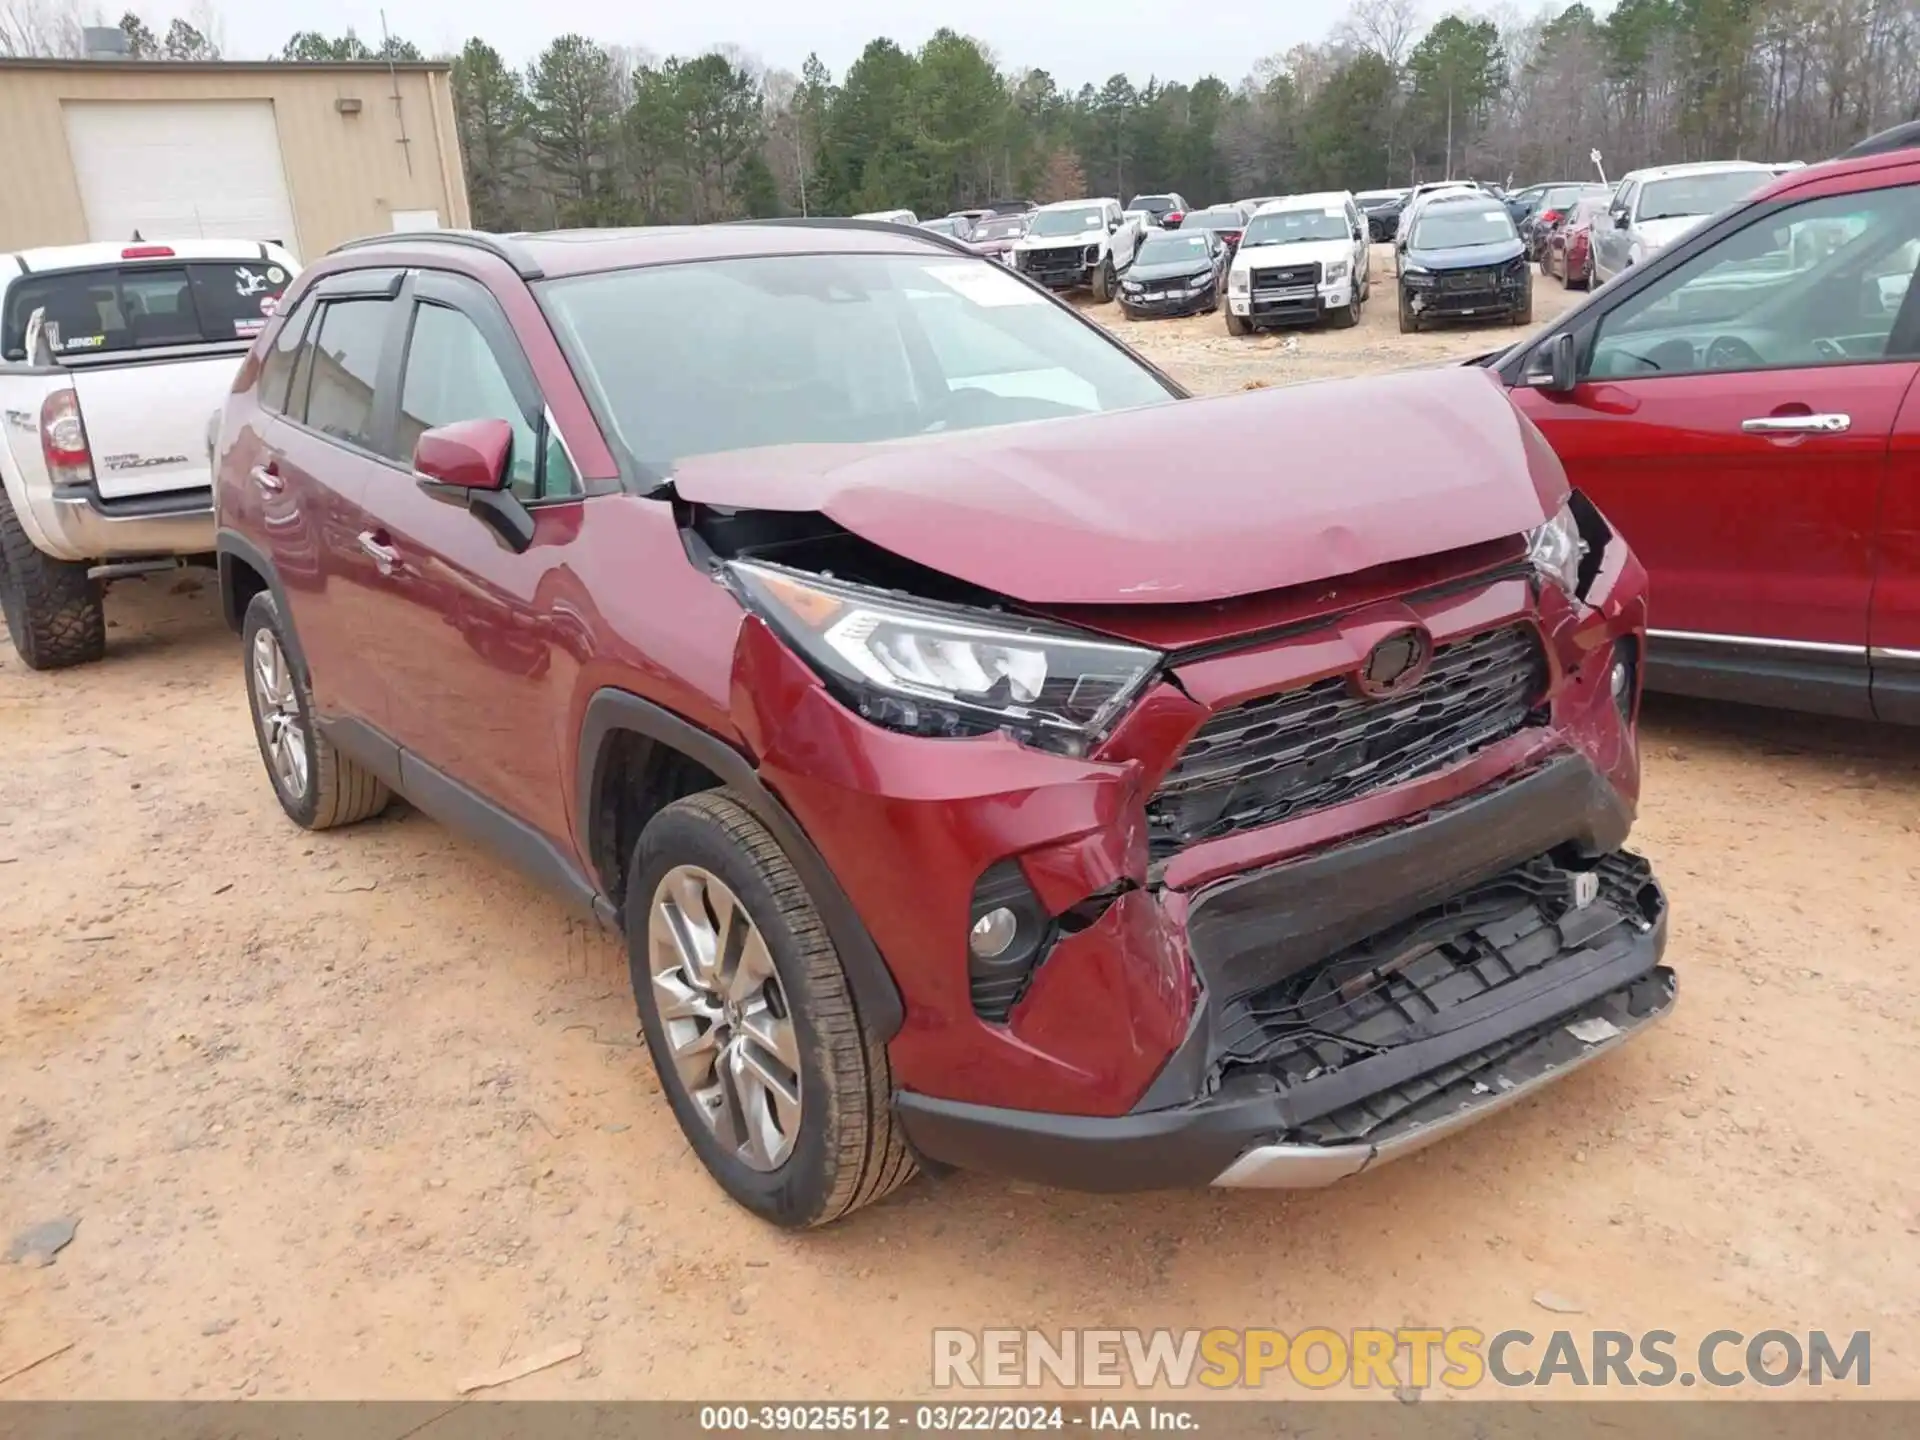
{"points": [[1395, 664]]}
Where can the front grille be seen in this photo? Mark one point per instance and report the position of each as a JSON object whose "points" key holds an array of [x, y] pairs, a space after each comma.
{"points": [[1284, 277], [1283, 755], [1478, 278], [1057, 260]]}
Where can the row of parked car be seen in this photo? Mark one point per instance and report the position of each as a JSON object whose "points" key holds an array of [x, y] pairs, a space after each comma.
{"points": [[983, 763]]}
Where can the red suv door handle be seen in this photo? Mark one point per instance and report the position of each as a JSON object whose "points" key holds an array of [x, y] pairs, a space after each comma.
{"points": [[386, 559], [267, 478], [1797, 424]]}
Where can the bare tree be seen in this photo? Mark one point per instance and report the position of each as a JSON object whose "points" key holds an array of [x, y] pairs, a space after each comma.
{"points": [[41, 28], [1386, 27]]}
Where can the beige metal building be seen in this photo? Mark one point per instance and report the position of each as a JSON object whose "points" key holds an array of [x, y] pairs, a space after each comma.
{"points": [[307, 155]]}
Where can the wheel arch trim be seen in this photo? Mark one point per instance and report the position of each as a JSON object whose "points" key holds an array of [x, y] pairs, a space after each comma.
{"points": [[229, 547], [610, 711]]}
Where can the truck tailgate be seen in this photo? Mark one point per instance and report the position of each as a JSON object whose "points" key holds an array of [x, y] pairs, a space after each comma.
{"points": [[147, 421]]}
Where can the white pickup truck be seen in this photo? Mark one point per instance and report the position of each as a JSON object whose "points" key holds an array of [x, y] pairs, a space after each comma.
{"points": [[114, 363]]}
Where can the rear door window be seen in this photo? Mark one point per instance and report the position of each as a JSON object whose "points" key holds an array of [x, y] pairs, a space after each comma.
{"points": [[137, 307]]}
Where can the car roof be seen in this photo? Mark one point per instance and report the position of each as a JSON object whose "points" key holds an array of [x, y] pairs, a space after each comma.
{"points": [[1081, 204], [1844, 167], [1317, 200], [113, 252], [554, 254], [1694, 167]]}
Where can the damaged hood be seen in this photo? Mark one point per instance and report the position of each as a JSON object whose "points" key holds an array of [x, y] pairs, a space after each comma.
{"points": [[1193, 500]]}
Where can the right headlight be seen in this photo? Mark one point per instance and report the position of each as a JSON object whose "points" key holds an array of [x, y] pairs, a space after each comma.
{"points": [[1416, 277], [1237, 282], [1557, 548], [948, 670]]}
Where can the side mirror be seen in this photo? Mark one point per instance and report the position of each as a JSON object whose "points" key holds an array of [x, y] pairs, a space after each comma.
{"points": [[1113, 227], [1552, 368], [1619, 219], [468, 454]]}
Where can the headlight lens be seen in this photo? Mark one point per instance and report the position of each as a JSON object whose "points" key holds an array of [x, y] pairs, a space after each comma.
{"points": [[1237, 282], [1417, 278], [1557, 548], [1337, 271], [947, 670]]}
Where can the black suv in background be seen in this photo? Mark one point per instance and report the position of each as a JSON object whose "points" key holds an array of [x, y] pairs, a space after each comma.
{"points": [[1167, 210]]}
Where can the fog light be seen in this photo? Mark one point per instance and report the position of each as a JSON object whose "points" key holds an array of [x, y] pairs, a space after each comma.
{"points": [[1622, 679], [993, 932]]}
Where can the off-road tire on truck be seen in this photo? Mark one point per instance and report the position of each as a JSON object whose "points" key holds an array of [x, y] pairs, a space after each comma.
{"points": [[1104, 281], [1238, 324], [55, 615], [846, 1150], [335, 789]]}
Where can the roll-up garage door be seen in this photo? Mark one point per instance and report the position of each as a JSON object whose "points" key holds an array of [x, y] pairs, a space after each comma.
{"points": [[180, 169]]}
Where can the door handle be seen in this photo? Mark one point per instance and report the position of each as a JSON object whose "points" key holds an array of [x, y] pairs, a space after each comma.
{"points": [[263, 476], [1797, 424], [385, 558]]}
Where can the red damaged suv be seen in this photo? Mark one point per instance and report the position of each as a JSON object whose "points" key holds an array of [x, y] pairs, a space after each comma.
{"points": [[988, 763]]}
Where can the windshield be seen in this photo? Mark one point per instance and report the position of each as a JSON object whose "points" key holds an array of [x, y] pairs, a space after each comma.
{"points": [[1170, 247], [1285, 227], [142, 307], [792, 349], [1453, 227], [1707, 194], [1560, 197], [953, 225], [1007, 227], [1154, 205], [1213, 220], [1066, 222]]}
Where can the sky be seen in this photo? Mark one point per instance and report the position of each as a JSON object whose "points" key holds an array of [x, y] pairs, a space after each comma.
{"points": [[1076, 41]]}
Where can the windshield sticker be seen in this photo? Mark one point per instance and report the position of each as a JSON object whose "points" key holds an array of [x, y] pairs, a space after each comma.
{"points": [[248, 328], [268, 304], [249, 282], [84, 342], [985, 285], [276, 276]]}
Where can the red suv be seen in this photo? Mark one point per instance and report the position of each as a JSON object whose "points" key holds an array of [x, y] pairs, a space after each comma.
{"points": [[815, 603], [1743, 408]]}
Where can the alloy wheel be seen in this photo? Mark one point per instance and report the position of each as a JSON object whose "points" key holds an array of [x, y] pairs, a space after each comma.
{"points": [[282, 732], [725, 1016]]}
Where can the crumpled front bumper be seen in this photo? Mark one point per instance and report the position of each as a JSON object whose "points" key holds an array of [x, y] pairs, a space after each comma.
{"points": [[1418, 1056]]}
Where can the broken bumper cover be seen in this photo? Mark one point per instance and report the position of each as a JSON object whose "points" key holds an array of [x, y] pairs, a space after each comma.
{"points": [[1529, 999]]}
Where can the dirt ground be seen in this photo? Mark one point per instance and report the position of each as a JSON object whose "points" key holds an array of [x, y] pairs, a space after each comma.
{"points": [[361, 1114]]}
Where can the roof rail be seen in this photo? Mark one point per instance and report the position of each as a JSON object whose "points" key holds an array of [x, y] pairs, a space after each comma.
{"points": [[883, 227], [500, 246], [1897, 137]]}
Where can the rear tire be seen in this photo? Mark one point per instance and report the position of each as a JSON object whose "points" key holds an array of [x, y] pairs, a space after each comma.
{"points": [[315, 784], [1237, 325], [835, 1147], [56, 617]]}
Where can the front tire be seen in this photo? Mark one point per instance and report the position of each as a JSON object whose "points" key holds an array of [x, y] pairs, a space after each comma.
{"points": [[55, 615], [315, 784], [1523, 313], [1409, 322], [1237, 325], [1105, 282], [1348, 315], [776, 1083]]}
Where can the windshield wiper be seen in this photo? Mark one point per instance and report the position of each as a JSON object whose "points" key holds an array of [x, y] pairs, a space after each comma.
{"points": [[1671, 215]]}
